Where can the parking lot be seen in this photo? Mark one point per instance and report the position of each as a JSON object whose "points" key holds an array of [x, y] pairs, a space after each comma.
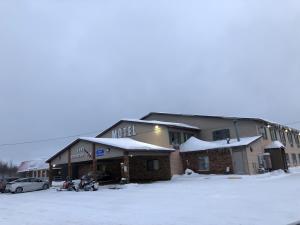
{"points": [[263, 199]]}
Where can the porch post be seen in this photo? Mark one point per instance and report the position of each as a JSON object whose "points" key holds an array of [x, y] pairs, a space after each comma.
{"points": [[94, 161], [69, 164], [50, 174], [125, 170]]}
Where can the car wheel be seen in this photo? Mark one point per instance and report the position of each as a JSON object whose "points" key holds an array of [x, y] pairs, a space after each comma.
{"points": [[19, 190], [45, 186]]}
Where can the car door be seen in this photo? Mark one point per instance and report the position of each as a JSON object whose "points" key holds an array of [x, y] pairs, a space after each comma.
{"points": [[25, 184], [39, 184], [35, 184]]}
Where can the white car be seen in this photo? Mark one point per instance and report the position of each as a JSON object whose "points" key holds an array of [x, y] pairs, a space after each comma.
{"points": [[26, 184]]}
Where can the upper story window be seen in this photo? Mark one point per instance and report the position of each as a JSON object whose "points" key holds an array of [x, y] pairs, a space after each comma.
{"points": [[221, 134], [290, 138], [263, 132], [273, 134], [282, 136], [296, 136], [186, 136], [174, 138]]}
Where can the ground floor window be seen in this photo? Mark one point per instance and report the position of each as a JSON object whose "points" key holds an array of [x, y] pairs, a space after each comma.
{"points": [[203, 163], [287, 158], [294, 157], [153, 165]]}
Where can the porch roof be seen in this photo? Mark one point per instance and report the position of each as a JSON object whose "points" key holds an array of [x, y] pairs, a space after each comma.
{"points": [[127, 144], [274, 145], [195, 144], [32, 165]]}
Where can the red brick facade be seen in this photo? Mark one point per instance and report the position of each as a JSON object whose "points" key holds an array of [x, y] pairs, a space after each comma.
{"points": [[138, 168], [219, 160]]}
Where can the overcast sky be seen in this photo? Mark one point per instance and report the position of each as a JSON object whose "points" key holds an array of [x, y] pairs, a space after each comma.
{"points": [[69, 67]]}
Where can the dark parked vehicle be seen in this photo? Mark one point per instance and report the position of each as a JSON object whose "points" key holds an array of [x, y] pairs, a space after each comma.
{"points": [[4, 181]]}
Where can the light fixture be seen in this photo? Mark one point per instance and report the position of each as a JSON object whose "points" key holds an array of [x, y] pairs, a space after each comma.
{"points": [[54, 165], [286, 130], [108, 150], [268, 126]]}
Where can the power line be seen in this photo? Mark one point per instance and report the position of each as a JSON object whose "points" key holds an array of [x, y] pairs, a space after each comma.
{"points": [[92, 132], [46, 140]]}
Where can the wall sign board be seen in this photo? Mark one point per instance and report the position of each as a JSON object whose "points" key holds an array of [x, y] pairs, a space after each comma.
{"points": [[100, 152], [128, 131]]}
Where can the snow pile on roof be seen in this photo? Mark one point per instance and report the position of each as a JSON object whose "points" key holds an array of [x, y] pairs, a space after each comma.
{"points": [[32, 165], [162, 123], [125, 143], [195, 144], [275, 144]]}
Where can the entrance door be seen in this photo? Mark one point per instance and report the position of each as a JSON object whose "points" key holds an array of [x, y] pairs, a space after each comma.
{"points": [[238, 162]]}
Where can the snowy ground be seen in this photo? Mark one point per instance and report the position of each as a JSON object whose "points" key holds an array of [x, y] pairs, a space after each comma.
{"points": [[268, 199]]}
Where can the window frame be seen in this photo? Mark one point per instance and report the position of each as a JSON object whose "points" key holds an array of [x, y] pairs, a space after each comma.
{"points": [[171, 135], [206, 161], [222, 134], [152, 165]]}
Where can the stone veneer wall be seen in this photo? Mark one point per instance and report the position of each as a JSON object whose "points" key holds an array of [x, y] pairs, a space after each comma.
{"points": [[218, 161], [138, 168]]}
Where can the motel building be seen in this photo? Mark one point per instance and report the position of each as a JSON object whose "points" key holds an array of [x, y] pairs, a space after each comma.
{"points": [[161, 145]]}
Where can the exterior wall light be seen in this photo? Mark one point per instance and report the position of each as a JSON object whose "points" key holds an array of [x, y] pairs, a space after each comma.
{"points": [[268, 126], [157, 129], [286, 130], [54, 165], [108, 150]]}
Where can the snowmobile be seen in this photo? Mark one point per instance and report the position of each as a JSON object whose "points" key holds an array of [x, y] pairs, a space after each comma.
{"points": [[88, 184], [68, 185]]}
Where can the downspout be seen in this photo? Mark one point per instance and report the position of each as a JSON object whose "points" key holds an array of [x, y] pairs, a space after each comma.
{"points": [[236, 130]]}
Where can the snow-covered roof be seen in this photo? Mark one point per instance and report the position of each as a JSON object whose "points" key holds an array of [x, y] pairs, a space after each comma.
{"points": [[195, 144], [125, 143], [275, 144], [32, 165], [157, 122]]}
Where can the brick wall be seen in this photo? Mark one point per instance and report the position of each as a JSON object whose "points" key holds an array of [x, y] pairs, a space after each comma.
{"points": [[218, 161], [138, 168]]}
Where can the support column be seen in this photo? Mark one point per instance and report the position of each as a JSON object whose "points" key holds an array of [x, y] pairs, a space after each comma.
{"points": [[50, 175], [69, 164], [94, 161], [125, 170]]}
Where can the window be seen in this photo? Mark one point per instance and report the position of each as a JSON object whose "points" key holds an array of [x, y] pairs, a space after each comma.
{"points": [[263, 132], [273, 134], [296, 136], [174, 138], [294, 157], [287, 158], [186, 136], [221, 134], [282, 136], [153, 165], [203, 163], [290, 138]]}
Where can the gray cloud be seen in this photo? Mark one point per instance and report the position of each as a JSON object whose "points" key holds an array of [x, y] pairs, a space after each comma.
{"points": [[69, 67]]}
